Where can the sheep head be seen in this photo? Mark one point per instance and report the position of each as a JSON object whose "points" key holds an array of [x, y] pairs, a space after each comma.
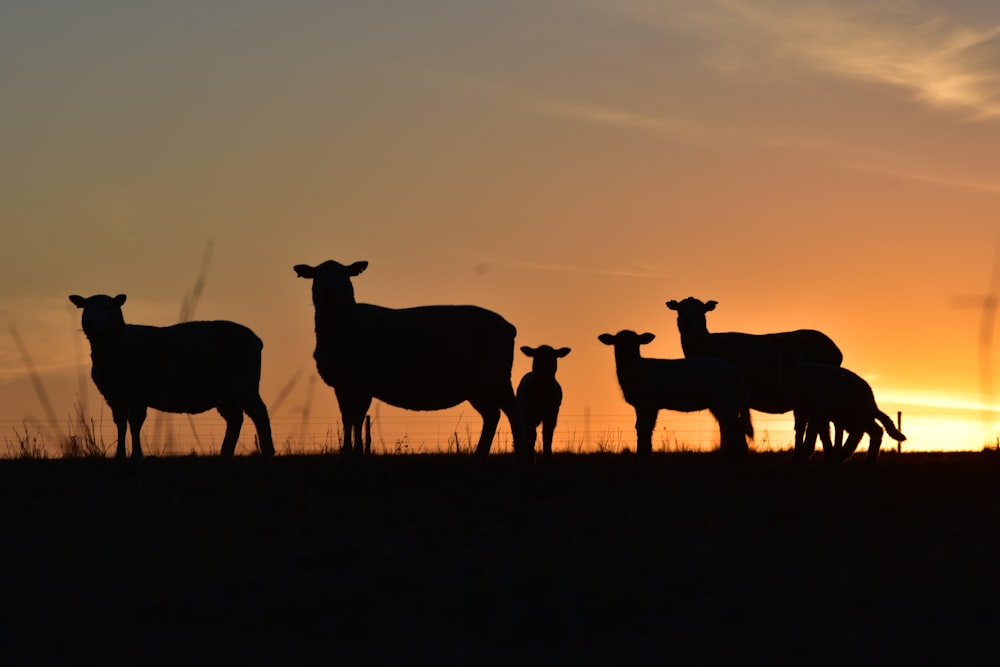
{"points": [[626, 340], [331, 282], [691, 314], [544, 358], [102, 314]]}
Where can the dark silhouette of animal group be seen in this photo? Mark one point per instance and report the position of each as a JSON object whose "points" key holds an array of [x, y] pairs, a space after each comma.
{"points": [[435, 357]]}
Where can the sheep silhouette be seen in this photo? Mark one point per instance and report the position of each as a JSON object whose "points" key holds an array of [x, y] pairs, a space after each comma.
{"points": [[540, 395], [685, 385], [189, 368], [421, 358], [763, 359], [826, 394]]}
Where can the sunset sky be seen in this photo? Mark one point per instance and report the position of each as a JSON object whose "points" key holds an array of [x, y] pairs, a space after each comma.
{"points": [[571, 164]]}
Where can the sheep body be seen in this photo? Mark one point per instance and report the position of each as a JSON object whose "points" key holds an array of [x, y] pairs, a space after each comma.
{"points": [[540, 395], [685, 385], [189, 368], [420, 358], [764, 359], [827, 394]]}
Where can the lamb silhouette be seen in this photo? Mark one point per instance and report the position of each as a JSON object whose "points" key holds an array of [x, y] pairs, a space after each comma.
{"points": [[190, 368], [685, 385], [540, 394], [762, 358], [826, 394], [422, 358]]}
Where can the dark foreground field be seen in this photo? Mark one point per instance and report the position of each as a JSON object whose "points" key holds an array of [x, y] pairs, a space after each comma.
{"points": [[592, 559]]}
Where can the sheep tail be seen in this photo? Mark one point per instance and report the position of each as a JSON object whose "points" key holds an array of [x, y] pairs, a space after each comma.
{"points": [[890, 428]]}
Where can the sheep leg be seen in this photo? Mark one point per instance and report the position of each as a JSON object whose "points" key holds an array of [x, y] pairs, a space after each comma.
{"points": [[353, 409], [258, 414], [234, 422], [808, 446], [491, 417], [874, 443], [725, 433], [548, 429], [524, 443], [802, 451], [120, 416], [851, 444], [732, 439], [831, 450], [645, 422], [136, 416]]}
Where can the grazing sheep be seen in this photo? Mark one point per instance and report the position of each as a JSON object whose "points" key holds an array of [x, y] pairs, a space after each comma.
{"points": [[762, 358], [686, 385], [423, 358], [825, 394], [540, 394], [190, 367]]}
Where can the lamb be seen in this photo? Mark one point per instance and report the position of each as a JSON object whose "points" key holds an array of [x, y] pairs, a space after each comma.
{"points": [[189, 368], [825, 394], [422, 358], [686, 385], [762, 358], [540, 394]]}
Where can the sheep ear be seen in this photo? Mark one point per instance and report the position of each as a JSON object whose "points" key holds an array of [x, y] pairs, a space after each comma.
{"points": [[646, 338], [529, 351], [120, 300], [710, 305], [562, 352], [673, 305], [607, 339], [305, 271], [78, 300], [356, 268]]}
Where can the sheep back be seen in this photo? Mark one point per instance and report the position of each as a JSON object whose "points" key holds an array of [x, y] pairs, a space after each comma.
{"points": [[421, 358], [190, 367], [833, 393], [685, 385], [764, 360]]}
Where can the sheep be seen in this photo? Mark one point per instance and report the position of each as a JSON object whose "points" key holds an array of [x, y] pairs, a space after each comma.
{"points": [[540, 394], [686, 385], [421, 358], [825, 394], [762, 358], [189, 368]]}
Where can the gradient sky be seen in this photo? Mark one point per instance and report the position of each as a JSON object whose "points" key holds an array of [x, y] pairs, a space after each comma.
{"points": [[571, 164]]}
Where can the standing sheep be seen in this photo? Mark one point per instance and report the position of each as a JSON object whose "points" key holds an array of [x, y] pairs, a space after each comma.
{"points": [[762, 358], [540, 394], [423, 358], [825, 394], [190, 367], [686, 385]]}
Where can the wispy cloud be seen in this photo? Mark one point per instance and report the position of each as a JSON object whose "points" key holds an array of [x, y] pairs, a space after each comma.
{"points": [[639, 271], [925, 177], [610, 116], [942, 62], [942, 401], [530, 101]]}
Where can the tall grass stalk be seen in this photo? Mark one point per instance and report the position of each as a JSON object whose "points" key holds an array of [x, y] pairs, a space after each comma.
{"points": [[27, 445], [84, 438]]}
